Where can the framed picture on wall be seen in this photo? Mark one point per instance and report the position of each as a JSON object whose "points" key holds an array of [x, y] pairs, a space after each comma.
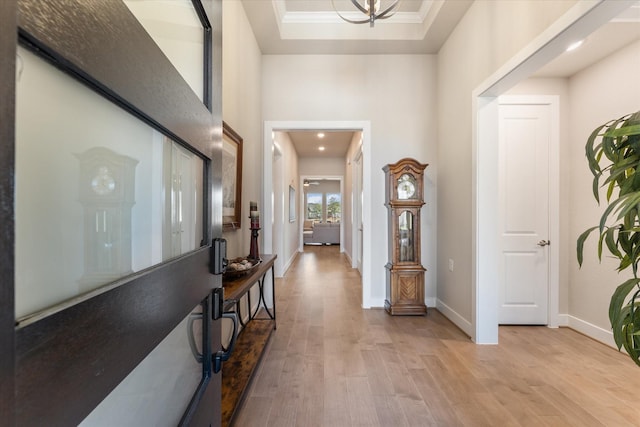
{"points": [[231, 177]]}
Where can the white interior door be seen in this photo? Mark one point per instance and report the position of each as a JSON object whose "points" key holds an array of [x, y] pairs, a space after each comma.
{"points": [[524, 144]]}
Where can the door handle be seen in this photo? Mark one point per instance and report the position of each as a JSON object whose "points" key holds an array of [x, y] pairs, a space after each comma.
{"points": [[220, 356], [223, 356], [544, 243], [192, 341]]}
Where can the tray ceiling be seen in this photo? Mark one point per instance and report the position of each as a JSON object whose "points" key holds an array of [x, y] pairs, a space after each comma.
{"points": [[313, 27]]}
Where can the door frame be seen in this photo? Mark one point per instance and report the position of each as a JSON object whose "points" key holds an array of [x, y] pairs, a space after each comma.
{"points": [[8, 39], [278, 209], [553, 194], [356, 229], [580, 21], [267, 185], [99, 338]]}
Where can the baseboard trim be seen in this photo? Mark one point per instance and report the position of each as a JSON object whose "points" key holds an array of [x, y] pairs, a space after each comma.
{"points": [[454, 317], [348, 256], [563, 320], [286, 266], [430, 301], [589, 329], [375, 303]]}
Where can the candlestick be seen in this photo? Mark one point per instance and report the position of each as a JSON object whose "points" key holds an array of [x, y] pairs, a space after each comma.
{"points": [[254, 216]]}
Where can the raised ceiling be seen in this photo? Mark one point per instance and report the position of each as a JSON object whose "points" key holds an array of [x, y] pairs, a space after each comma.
{"points": [[313, 27]]}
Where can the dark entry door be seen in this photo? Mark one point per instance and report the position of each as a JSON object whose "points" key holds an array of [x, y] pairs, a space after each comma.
{"points": [[117, 160]]}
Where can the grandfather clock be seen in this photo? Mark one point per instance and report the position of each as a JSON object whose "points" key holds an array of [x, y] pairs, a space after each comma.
{"points": [[405, 273], [107, 194]]}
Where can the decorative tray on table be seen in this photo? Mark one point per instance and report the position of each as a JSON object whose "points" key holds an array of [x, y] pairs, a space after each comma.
{"points": [[237, 267]]}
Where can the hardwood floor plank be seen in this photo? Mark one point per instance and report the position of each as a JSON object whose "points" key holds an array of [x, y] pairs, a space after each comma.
{"points": [[290, 382], [283, 413], [314, 341], [389, 411], [336, 406], [331, 363], [439, 407], [493, 411], [313, 376], [362, 408], [253, 412], [377, 376], [398, 373], [311, 411], [267, 380], [569, 408], [416, 412]]}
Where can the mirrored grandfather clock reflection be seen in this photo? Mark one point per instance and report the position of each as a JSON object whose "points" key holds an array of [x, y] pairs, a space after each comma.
{"points": [[107, 194]]}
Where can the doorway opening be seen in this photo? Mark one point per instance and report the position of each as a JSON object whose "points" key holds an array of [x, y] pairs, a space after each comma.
{"points": [[270, 243], [321, 211]]}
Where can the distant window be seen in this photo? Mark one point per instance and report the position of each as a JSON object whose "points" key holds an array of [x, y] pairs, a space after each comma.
{"points": [[334, 207], [314, 206]]}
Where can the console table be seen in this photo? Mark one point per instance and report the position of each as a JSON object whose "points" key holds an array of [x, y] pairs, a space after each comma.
{"points": [[252, 339]]}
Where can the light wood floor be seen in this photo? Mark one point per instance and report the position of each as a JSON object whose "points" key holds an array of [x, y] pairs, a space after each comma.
{"points": [[331, 363]]}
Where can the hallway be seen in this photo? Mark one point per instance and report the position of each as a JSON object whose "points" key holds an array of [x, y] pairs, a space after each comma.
{"points": [[330, 363]]}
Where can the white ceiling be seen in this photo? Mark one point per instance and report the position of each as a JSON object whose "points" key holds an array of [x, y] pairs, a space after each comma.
{"points": [[418, 27], [335, 143], [600, 44]]}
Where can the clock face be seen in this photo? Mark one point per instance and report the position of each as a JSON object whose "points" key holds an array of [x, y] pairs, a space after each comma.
{"points": [[406, 187], [103, 183]]}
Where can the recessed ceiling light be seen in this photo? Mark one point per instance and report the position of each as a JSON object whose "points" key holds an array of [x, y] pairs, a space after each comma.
{"points": [[320, 135], [321, 148], [574, 45]]}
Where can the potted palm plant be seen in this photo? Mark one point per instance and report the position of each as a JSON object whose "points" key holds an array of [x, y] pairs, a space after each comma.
{"points": [[613, 153]]}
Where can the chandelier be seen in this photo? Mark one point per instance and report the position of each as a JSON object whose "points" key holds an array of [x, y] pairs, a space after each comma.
{"points": [[371, 8]]}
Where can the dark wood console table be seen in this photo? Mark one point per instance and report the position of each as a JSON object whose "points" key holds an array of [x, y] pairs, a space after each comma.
{"points": [[252, 339]]}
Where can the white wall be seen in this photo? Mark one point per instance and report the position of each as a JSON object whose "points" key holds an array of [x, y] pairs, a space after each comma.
{"points": [[490, 33], [290, 230], [241, 104], [320, 166], [367, 87], [604, 91]]}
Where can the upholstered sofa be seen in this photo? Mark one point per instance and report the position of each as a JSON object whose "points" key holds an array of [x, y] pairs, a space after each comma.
{"points": [[328, 233]]}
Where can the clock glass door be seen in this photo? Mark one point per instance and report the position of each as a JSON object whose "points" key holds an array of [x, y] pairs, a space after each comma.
{"points": [[406, 241]]}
